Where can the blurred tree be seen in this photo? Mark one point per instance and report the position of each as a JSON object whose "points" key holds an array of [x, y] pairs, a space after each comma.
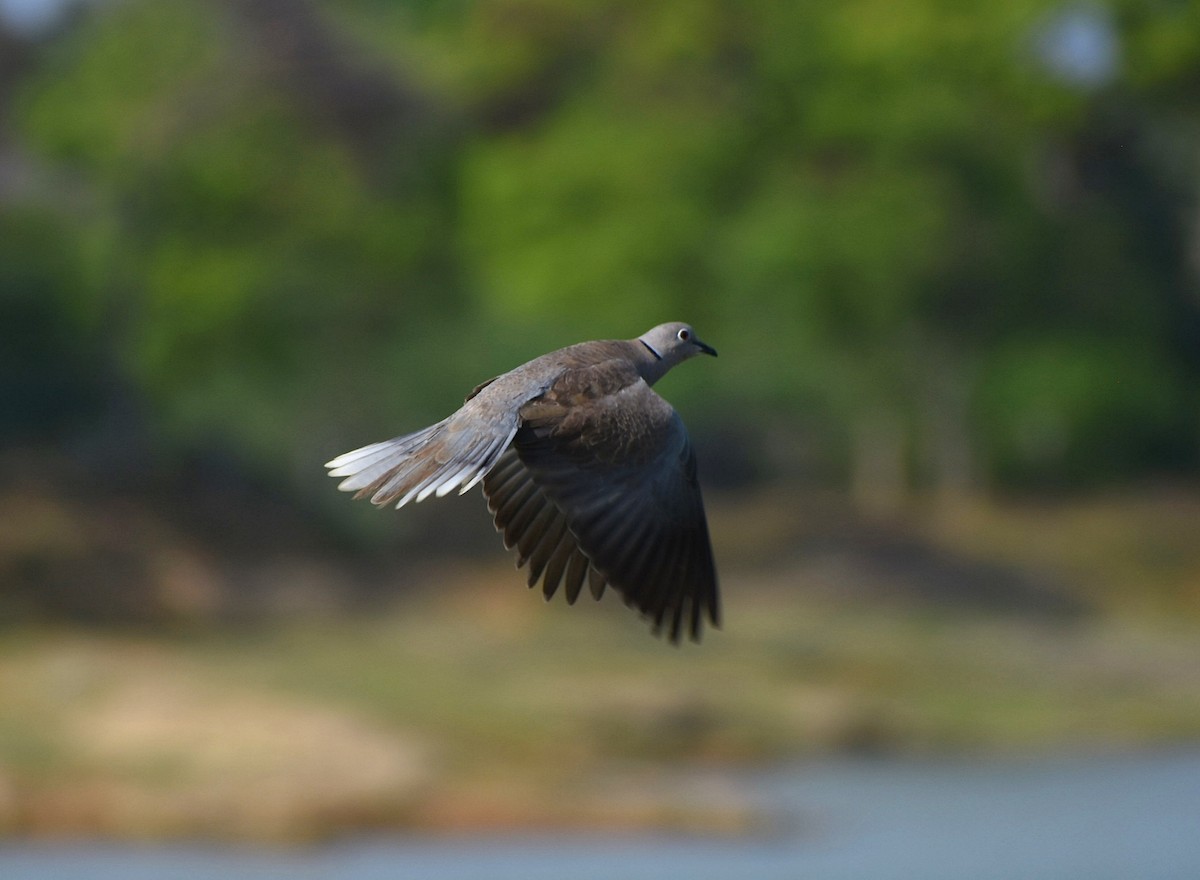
{"points": [[49, 380], [863, 188], [948, 244], [272, 230]]}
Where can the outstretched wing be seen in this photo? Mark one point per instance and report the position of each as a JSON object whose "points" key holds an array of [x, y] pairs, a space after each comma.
{"points": [[612, 479], [538, 530]]}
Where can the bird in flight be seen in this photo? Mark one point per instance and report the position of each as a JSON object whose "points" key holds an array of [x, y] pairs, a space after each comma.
{"points": [[587, 472]]}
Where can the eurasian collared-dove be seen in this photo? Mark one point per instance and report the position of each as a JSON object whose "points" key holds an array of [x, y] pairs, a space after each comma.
{"points": [[587, 472]]}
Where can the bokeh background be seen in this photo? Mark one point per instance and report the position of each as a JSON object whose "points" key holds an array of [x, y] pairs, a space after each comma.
{"points": [[949, 251]]}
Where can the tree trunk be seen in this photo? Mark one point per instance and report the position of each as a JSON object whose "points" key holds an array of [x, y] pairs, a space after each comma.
{"points": [[878, 475]]}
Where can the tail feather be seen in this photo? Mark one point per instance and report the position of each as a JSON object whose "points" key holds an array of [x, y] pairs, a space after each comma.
{"points": [[351, 462], [365, 466], [436, 460]]}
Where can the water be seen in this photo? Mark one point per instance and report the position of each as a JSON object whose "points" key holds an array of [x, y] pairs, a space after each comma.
{"points": [[1062, 819]]}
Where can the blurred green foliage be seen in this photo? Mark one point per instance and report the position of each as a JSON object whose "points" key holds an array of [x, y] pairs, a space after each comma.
{"points": [[929, 256]]}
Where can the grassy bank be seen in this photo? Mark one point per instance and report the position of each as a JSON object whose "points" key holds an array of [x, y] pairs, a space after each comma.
{"points": [[472, 704], [472, 710]]}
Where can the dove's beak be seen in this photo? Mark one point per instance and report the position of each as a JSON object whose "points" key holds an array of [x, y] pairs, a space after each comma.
{"points": [[704, 347]]}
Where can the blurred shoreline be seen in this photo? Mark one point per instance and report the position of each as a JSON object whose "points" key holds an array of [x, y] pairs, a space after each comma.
{"points": [[446, 697]]}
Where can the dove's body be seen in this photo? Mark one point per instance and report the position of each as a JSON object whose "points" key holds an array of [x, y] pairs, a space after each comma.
{"points": [[588, 472]]}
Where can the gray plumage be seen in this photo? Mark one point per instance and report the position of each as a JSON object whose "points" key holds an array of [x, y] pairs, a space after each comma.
{"points": [[587, 471]]}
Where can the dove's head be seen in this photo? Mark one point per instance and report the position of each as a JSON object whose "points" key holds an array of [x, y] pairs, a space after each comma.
{"points": [[671, 344]]}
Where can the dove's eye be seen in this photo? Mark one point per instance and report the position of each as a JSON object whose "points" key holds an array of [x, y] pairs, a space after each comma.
{"points": [[684, 335]]}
